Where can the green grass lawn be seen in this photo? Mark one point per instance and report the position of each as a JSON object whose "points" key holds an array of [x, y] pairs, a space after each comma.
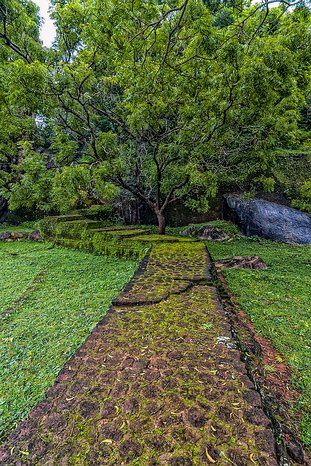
{"points": [[64, 294], [278, 301]]}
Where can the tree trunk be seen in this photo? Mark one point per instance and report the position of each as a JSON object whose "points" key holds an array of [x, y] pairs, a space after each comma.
{"points": [[161, 222], [3, 209]]}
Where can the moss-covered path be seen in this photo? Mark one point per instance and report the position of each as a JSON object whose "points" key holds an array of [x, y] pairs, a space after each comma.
{"points": [[158, 382]]}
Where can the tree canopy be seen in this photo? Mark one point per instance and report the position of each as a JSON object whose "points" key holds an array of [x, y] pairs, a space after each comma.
{"points": [[164, 100]]}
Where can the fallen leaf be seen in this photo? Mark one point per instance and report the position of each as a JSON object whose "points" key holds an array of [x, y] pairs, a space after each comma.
{"points": [[208, 456]]}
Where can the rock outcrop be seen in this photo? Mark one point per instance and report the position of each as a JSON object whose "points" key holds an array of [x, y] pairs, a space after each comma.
{"points": [[269, 220], [18, 235], [205, 232], [244, 262]]}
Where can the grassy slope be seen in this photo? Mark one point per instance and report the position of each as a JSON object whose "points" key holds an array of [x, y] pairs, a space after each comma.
{"points": [[278, 302], [40, 334], [23, 227]]}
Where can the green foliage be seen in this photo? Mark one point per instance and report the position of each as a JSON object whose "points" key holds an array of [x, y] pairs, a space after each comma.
{"points": [[304, 202], [161, 111], [25, 227], [19, 30], [25, 82], [97, 212], [278, 302], [53, 227], [164, 126], [70, 187], [35, 181], [64, 294], [291, 170], [153, 238], [63, 146], [79, 235], [228, 227], [59, 190], [306, 116], [23, 76]]}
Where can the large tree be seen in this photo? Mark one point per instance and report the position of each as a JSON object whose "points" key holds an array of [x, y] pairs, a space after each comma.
{"points": [[166, 99], [21, 82]]}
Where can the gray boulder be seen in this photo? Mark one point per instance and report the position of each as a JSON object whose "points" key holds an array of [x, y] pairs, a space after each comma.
{"points": [[205, 232], [268, 219], [243, 262], [17, 235], [34, 236]]}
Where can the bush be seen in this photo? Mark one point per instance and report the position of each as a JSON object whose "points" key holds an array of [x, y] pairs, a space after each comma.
{"points": [[79, 235], [98, 212], [304, 202]]}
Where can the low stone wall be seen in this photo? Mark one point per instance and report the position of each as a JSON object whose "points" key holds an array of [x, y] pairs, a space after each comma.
{"points": [[18, 235]]}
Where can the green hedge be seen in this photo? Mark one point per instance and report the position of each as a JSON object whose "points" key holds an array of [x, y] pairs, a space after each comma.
{"points": [[97, 212], [78, 235]]}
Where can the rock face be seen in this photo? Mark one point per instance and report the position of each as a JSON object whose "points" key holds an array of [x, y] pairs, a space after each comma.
{"points": [[16, 235], [34, 236], [245, 262], [267, 219], [205, 232]]}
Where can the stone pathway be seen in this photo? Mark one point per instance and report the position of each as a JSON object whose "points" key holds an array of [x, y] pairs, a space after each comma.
{"points": [[158, 382]]}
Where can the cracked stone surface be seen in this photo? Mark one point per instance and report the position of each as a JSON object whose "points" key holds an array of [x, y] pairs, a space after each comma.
{"points": [[157, 383]]}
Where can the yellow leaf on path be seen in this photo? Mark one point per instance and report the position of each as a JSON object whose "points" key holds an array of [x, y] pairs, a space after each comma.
{"points": [[251, 457], [107, 440], [208, 456]]}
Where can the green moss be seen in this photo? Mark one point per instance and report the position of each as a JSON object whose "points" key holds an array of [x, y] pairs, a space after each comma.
{"points": [[86, 236], [112, 228], [162, 325], [88, 224], [128, 232], [170, 347], [159, 238], [98, 212], [66, 218]]}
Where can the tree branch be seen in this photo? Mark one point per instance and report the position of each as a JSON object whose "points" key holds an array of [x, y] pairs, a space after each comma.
{"points": [[169, 199]]}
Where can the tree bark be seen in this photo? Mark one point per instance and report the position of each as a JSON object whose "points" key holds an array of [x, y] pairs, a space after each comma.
{"points": [[3, 209], [161, 222]]}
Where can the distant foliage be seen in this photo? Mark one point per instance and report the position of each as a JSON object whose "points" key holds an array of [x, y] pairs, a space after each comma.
{"points": [[304, 202]]}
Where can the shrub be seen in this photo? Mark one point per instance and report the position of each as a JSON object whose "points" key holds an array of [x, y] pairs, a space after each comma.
{"points": [[79, 235]]}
